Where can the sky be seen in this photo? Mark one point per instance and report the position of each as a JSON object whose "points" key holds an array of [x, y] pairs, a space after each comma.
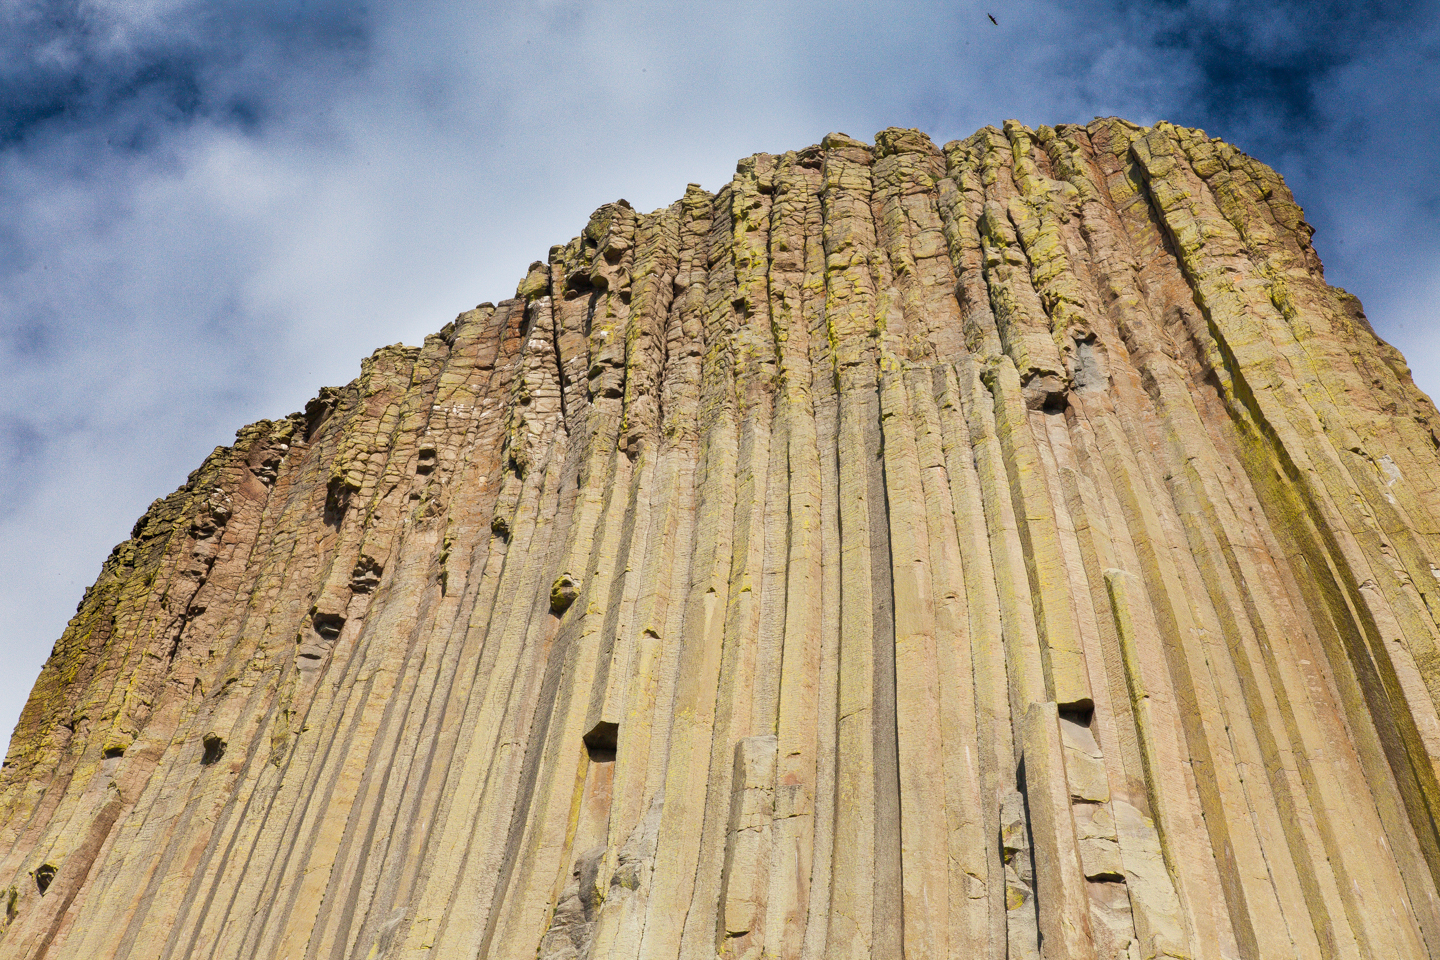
{"points": [[211, 208]]}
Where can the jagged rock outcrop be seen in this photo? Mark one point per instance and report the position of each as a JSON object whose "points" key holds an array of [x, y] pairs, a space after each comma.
{"points": [[1013, 549]]}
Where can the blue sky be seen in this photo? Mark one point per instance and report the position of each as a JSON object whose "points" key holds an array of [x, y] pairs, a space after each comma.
{"points": [[208, 210]]}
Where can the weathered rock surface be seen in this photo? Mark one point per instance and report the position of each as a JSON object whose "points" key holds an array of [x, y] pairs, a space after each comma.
{"points": [[1013, 549]]}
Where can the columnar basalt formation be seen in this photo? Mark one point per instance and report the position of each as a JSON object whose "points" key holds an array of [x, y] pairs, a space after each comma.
{"points": [[1014, 549]]}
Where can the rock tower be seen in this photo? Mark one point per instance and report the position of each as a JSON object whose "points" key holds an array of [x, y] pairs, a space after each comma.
{"points": [[1012, 549]]}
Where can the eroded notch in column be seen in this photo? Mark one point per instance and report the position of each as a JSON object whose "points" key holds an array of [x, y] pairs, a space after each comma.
{"points": [[601, 741]]}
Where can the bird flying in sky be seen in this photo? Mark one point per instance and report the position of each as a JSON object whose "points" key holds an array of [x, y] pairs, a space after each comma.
{"points": [[992, 19]]}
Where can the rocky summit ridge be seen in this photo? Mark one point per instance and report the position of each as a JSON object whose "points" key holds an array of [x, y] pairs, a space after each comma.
{"points": [[1010, 549]]}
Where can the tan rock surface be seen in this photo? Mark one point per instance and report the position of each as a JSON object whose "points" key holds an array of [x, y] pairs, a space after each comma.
{"points": [[1009, 549]]}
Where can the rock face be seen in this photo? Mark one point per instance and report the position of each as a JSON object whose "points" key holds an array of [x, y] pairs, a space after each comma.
{"points": [[1013, 549]]}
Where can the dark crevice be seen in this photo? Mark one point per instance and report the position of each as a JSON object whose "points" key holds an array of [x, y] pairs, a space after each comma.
{"points": [[602, 741], [560, 363], [214, 749], [328, 625], [1081, 714]]}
